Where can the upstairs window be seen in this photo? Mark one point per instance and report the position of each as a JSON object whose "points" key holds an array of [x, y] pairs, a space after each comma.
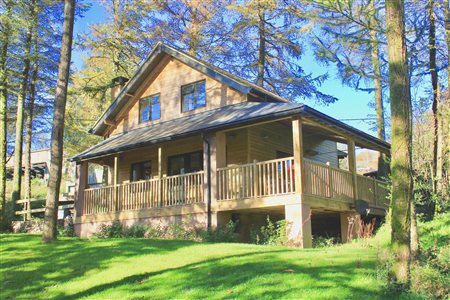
{"points": [[149, 108], [193, 96]]}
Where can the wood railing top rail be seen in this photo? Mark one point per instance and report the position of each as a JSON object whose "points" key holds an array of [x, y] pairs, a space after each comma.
{"points": [[310, 161], [141, 181], [183, 175], [257, 163]]}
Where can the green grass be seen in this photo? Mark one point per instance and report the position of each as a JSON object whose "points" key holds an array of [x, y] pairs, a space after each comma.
{"points": [[140, 268]]}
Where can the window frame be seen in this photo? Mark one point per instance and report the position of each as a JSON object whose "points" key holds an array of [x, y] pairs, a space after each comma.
{"points": [[195, 93], [184, 155], [149, 100], [141, 164]]}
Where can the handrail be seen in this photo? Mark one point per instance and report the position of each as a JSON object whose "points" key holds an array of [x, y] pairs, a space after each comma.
{"points": [[257, 179], [158, 192]]}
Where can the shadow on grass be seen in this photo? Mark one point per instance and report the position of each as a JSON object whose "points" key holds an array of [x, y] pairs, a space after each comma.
{"points": [[27, 265], [252, 272]]}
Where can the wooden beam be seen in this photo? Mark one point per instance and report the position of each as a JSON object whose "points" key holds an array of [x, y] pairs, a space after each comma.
{"points": [[116, 170], [352, 166], [297, 140], [81, 180]]}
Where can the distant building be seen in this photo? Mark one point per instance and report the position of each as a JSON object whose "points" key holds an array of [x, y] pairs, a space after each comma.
{"points": [[40, 164]]}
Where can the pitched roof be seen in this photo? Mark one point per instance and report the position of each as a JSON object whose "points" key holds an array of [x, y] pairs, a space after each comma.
{"points": [[155, 56], [217, 119]]}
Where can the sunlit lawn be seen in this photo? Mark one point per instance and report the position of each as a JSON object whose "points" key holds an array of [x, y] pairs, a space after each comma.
{"points": [[160, 269]]}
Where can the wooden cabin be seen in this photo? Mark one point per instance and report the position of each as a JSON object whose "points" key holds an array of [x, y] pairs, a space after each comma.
{"points": [[187, 142]]}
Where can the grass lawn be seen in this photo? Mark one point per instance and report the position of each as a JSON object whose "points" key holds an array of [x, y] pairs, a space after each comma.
{"points": [[140, 268]]}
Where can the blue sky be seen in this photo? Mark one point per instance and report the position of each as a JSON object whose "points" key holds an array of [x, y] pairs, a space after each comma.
{"points": [[351, 105]]}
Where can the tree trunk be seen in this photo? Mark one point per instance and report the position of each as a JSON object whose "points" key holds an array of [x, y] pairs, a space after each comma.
{"points": [[435, 87], [18, 145], [6, 28], [401, 164], [262, 48], [375, 55], [29, 127], [415, 242], [54, 182], [447, 39]]}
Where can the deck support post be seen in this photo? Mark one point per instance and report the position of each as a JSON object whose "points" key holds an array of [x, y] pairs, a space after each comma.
{"points": [[298, 225], [116, 182], [298, 216], [297, 141], [160, 196], [81, 180], [352, 166]]}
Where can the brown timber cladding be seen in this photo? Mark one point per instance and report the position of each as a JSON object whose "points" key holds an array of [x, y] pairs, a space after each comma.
{"points": [[168, 82]]}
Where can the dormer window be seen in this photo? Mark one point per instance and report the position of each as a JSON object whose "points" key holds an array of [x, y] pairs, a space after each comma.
{"points": [[149, 108], [193, 96]]}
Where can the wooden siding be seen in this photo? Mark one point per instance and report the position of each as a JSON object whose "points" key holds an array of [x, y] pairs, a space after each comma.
{"points": [[167, 83], [265, 140], [326, 150], [237, 147]]}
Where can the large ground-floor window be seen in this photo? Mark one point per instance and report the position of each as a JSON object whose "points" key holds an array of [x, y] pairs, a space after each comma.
{"points": [[141, 171], [185, 163]]}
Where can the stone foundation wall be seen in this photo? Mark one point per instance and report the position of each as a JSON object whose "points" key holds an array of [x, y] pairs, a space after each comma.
{"points": [[197, 220]]}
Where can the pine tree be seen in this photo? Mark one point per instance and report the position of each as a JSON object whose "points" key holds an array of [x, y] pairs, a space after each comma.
{"points": [[51, 205], [5, 41], [401, 163], [18, 145]]}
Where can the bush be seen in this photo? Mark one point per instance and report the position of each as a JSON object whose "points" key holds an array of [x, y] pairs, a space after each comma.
{"points": [[429, 281], [323, 242], [115, 230], [178, 231], [273, 233], [135, 231], [224, 234]]}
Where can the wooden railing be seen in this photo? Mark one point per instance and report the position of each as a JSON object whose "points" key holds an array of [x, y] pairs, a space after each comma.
{"points": [[168, 191], [372, 190], [326, 181], [258, 179]]}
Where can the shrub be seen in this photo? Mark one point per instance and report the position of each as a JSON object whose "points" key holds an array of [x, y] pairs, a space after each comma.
{"points": [[273, 233], [115, 230], [135, 231], [224, 234], [323, 242], [429, 281]]}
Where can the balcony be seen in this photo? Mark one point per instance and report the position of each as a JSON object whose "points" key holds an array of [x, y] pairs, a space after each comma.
{"points": [[270, 178]]}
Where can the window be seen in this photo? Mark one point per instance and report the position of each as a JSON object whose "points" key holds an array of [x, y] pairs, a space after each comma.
{"points": [[149, 108], [193, 96], [185, 163], [141, 171]]}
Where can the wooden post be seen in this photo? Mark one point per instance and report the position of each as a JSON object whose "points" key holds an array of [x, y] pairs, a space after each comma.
{"points": [[116, 182], [297, 139], [330, 180], [374, 191], [160, 175], [352, 166], [256, 178], [81, 179]]}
